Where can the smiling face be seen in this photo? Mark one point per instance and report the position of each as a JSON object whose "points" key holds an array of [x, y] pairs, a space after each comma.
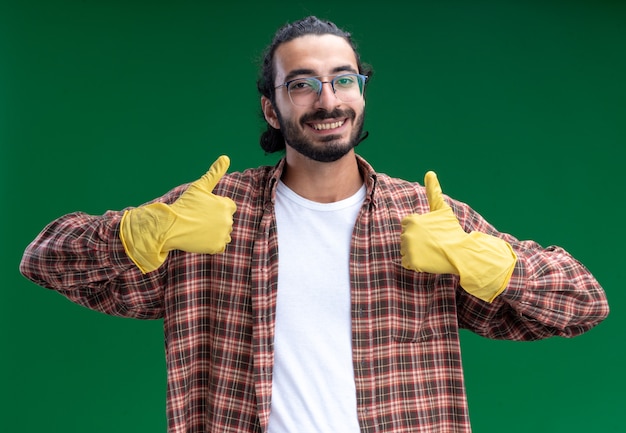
{"points": [[329, 128]]}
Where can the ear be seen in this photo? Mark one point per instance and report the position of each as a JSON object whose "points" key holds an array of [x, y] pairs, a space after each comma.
{"points": [[269, 112]]}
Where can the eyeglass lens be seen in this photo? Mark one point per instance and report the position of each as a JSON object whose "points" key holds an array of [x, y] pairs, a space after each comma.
{"points": [[304, 91]]}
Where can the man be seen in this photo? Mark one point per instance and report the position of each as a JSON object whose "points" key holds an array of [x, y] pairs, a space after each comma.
{"points": [[316, 295]]}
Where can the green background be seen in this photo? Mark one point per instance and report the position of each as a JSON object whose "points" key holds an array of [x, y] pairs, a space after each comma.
{"points": [[518, 105]]}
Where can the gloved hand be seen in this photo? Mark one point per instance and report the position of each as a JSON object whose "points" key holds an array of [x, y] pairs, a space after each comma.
{"points": [[435, 242], [197, 222]]}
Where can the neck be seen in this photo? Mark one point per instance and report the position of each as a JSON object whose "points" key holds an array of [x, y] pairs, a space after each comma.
{"points": [[323, 182]]}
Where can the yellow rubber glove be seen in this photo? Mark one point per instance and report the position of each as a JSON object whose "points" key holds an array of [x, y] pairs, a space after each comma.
{"points": [[436, 243], [197, 222]]}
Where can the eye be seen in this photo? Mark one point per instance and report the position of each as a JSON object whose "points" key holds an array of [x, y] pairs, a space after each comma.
{"points": [[345, 81], [303, 85]]}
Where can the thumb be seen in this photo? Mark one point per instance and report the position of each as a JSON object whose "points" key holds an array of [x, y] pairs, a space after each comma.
{"points": [[433, 191], [215, 173]]}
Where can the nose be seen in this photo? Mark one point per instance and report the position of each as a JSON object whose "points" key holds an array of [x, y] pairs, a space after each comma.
{"points": [[326, 97]]}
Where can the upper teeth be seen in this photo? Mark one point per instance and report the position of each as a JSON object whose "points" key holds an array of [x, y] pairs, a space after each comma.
{"points": [[319, 126]]}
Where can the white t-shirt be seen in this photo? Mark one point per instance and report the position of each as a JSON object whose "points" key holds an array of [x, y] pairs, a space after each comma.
{"points": [[313, 389]]}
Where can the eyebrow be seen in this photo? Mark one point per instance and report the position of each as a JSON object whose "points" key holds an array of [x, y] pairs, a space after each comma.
{"points": [[309, 72]]}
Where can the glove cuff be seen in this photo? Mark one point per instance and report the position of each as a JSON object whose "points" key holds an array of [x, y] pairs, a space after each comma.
{"points": [[142, 232], [485, 265]]}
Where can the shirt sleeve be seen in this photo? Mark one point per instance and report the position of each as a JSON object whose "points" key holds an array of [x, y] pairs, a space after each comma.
{"points": [[81, 257], [550, 292]]}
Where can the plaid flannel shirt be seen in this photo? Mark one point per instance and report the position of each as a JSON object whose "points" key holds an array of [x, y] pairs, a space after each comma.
{"points": [[219, 310]]}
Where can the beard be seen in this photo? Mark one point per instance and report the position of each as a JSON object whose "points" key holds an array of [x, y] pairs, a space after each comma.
{"points": [[333, 148]]}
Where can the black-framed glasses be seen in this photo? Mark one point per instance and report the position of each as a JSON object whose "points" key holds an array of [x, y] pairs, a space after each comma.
{"points": [[305, 91]]}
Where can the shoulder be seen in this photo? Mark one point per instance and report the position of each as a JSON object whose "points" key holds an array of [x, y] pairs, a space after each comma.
{"points": [[246, 178], [407, 196], [253, 184], [394, 192], [400, 193]]}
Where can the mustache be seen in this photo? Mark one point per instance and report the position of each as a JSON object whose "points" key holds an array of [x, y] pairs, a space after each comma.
{"points": [[324, 114]]}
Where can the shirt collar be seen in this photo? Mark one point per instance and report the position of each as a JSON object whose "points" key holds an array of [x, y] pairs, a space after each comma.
{"points": [[368, 173]]}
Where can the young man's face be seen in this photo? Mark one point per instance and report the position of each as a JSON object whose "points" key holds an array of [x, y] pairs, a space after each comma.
{"points": [[327, 128]]}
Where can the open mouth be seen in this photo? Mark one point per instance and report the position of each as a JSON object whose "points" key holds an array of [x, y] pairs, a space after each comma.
{"points": [[326, 126]]}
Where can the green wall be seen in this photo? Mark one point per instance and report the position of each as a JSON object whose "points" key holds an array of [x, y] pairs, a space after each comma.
{"points": [[518, 105]]}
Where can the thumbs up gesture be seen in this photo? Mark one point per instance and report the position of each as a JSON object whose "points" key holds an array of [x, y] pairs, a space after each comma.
{"points": [[436, 243], [197, 222], [426, 238]]}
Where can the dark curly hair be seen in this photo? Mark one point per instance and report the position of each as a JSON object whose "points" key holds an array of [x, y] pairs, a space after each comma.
{"points": [[272, 139]]}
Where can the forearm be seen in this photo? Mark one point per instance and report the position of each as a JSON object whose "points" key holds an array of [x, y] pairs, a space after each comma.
{"points": [[549, 292], [552, 287], [82, 257], [74, 251]]}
